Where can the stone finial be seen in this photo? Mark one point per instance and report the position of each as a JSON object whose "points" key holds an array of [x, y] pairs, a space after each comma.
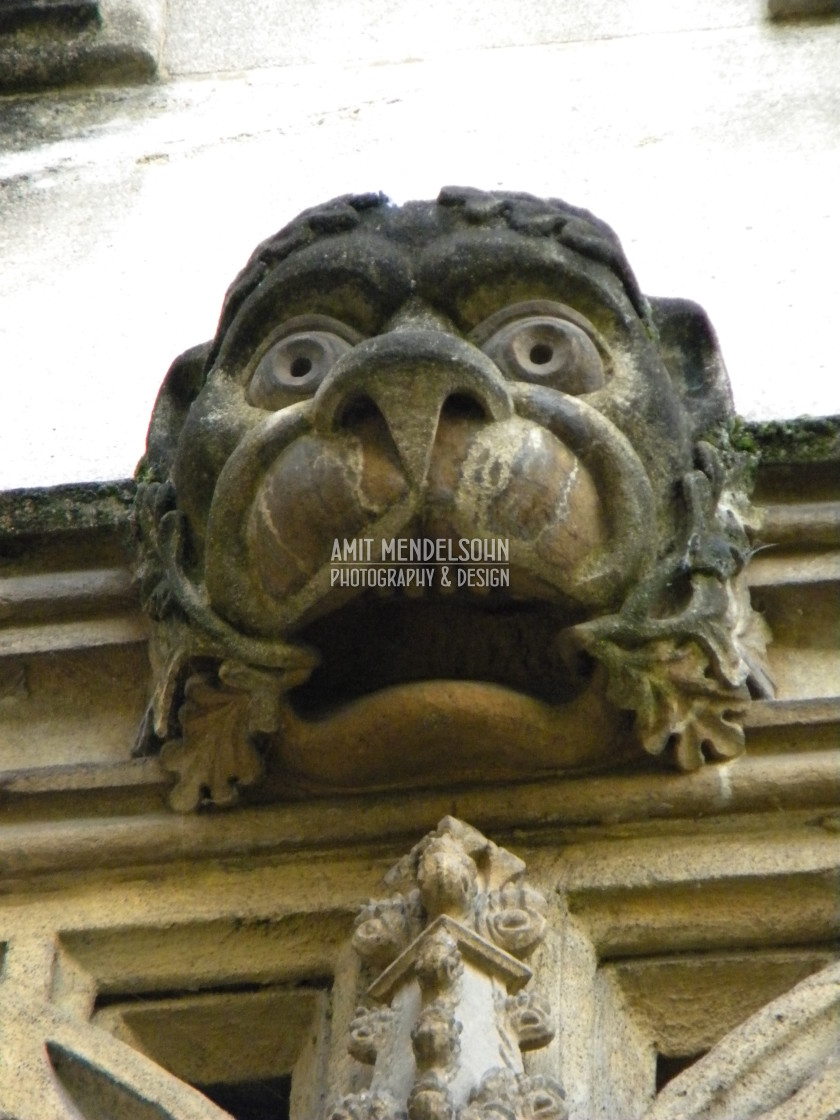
{"points": [[453, 1009]]}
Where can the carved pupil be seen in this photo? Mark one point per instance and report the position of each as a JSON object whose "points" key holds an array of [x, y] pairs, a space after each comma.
{"points": [[302, 356], [541, 353], [300, 367]]}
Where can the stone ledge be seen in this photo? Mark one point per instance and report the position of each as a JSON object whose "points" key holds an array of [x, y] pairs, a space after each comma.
{"points": [[76, 507], [57, 42], [643, 804], [802, 9], [58, 15], [804, 439]]}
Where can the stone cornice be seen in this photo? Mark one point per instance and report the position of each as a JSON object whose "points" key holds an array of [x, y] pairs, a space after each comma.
{"points": [[775, 793]]}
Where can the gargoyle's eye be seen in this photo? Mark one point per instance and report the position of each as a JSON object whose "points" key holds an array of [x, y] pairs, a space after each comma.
{"points": [[546, 350], [295, 363]]}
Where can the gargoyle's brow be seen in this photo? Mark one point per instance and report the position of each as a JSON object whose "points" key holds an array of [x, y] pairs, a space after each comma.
{"points": [[372, 277], [551, 219], [373, 265], [470, 276]]}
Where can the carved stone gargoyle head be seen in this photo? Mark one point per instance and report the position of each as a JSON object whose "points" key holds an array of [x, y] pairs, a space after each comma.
{"points": [[482, 368]]}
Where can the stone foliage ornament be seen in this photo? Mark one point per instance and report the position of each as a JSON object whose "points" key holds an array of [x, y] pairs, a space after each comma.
{"points": [[454, 1008], [479, 369]]}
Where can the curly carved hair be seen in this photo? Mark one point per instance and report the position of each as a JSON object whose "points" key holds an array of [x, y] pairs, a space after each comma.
{"points": [[458, 207]]}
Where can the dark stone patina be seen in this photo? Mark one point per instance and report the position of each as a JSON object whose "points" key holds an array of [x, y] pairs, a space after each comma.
{"points": [[482, 367]]}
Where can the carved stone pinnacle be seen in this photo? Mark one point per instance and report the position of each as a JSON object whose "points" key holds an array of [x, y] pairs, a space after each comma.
{"points": [[457, 1014]]}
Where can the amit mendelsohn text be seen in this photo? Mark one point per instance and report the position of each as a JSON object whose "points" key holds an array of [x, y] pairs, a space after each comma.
{"points": [[422, 550]]}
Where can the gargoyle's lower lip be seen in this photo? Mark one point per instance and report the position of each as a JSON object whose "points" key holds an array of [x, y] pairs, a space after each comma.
{"points": [[443, 731], [443, 690]]}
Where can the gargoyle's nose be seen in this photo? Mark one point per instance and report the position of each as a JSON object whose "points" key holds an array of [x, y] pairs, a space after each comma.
{"points": [[409, 377]]}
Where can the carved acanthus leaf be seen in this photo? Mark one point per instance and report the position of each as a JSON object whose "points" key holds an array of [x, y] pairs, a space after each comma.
{"points": [[216, 754], [676, 701]]}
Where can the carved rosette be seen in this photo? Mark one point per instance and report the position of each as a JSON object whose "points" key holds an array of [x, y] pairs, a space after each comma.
{"points": [[453, 1011]]}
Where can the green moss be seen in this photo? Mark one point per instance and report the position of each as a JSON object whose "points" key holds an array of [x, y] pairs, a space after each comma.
{"points": [[59, 509], [807, 439]]}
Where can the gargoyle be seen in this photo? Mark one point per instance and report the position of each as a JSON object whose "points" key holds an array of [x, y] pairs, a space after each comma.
{"points": [[479, 368]]}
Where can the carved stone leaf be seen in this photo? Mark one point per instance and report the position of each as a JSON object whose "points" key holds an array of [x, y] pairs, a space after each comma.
{"points": [[264, 690], [677, 700], [216, 754], [708, 724], [753, 635]]}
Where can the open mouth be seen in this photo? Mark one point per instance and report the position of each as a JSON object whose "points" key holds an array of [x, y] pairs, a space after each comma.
{"points": [[442, 689], [374, 644]]}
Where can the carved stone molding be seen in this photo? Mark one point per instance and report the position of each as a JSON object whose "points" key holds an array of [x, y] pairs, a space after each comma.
{"points": [[56, 1065], [477, 372], [783, 1063], [454, 1010]]}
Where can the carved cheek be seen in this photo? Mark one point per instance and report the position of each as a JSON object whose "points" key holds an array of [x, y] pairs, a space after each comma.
{"points": [[315, 492], [515, 479]]}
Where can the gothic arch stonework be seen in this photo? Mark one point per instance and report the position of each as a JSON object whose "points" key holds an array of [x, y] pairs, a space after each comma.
{"points": [[533, 835]]}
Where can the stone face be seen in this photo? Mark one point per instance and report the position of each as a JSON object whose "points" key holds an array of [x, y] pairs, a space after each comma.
{"points": [[441, 461]]}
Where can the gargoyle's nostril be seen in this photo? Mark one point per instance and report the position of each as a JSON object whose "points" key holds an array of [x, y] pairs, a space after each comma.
{"points": [[463, 406], [357, 411]]}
